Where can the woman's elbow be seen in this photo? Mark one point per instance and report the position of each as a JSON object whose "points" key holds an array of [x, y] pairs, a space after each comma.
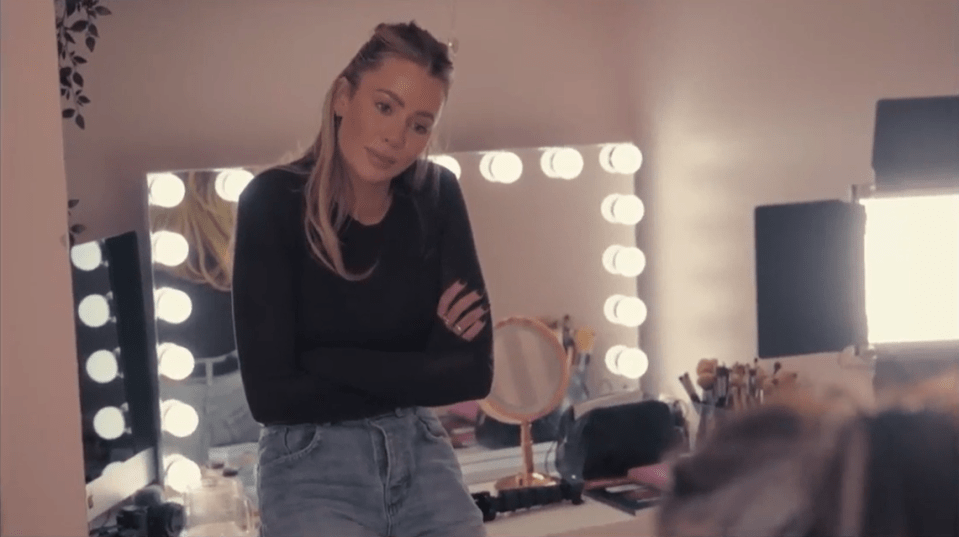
{"points": [[483, 380]]}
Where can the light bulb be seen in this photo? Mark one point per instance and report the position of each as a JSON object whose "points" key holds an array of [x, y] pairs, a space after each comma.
{"points": [[181, 474], [624, 209], [166, 189], [624, 260], [111, 468], [94, 311], [449, 163], [625, 310], [109, 423], [174, 362], [621, 158], [102, 366], [172, 305], [611, 358], [179, 418], [501, 167], [562, 163], [170, 248], [632, 363], [229, 184], [87, 256]]}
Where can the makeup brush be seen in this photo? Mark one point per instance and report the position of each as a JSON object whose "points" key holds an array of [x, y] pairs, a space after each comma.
{"points": [[583, 340]]}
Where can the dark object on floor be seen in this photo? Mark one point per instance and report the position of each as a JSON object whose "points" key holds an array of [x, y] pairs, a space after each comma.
{"points": [[513, 500]]}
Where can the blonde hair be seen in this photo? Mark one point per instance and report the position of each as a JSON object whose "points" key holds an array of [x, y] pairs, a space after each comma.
{"points": [[327, 190], [207, 221]]}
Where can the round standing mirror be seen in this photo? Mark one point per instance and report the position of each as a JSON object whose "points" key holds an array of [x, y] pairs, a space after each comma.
{"points": [[530, 377]]}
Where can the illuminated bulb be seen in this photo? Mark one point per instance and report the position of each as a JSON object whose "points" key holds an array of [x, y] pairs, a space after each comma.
{"points": [[449, 163], [625, 310], [624, 209], [179, 418], [180, 473], [621, 158], [94, 311], [169, 248], [109, 423], [629, 362], [87, 256], [111, 468], [562, 163], [229, 184], [166, 189], [501, 167], [102, 366], [624, 260], [174, 362], [172, 305]]}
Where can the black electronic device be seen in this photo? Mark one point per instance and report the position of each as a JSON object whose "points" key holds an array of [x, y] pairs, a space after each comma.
{"points": [[525, 498], [165, 519], [607, 442], [916, 143]]}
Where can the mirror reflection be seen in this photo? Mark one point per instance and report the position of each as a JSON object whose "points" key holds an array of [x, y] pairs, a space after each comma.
{"points": [[573, 270], [193, 215]]}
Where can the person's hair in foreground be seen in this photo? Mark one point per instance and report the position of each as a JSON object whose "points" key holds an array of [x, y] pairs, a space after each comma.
{"points": [[809, 467]]}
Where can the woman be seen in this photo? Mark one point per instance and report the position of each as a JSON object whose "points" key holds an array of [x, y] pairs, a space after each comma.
{"points": [[359, 300], [214, 388]]}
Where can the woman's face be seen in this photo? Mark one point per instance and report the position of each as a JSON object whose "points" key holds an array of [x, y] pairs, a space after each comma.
{"points": [[388, 122]]}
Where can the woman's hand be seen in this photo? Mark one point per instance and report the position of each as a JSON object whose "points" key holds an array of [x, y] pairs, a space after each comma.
{"points": [[458, 317]]}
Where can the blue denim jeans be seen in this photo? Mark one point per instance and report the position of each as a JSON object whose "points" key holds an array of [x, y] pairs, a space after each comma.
{"points": [[394, 475]]}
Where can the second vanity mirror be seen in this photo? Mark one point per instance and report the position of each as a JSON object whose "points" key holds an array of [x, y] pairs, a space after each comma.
{"points": [[530, 378], [555, 230]]}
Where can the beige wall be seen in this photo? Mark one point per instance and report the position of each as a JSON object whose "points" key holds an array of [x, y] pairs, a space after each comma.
{"points": [[41, 463], [179, 84], [743, 103]]}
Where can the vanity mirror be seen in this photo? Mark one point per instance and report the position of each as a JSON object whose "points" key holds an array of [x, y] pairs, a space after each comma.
{"points": [[118, 399], [530, 378], [555, 232]]}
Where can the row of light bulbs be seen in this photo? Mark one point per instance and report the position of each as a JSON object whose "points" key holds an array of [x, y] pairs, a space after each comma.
{"points": [[627, 261], [175, 361], [167, 189], [556, 162], [101, 366]]}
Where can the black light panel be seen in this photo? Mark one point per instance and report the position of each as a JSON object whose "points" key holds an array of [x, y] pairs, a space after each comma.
{"points": [[916, 143], [809, 277]]}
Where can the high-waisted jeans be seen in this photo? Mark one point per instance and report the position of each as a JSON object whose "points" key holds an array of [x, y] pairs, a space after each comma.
{"points": [[393, 475]]}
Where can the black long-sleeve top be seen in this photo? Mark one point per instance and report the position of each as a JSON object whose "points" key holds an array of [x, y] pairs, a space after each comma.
{"points": [[317, 348]]}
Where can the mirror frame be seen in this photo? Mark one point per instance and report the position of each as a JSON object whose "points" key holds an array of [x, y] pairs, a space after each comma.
{"points": [[495, 410]]}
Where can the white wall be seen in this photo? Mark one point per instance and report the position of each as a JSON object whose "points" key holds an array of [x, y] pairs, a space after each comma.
{"points": [[743, 103], [179, 84], [41, 460]]}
